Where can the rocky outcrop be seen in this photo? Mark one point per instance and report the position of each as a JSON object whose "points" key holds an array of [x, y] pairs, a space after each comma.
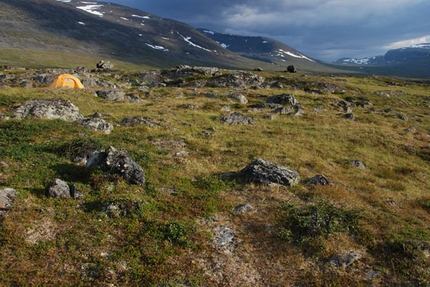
{"points": [[235, 119], [238, 80], [49, 109], [262, 171], [117, 161], [283, 99]]}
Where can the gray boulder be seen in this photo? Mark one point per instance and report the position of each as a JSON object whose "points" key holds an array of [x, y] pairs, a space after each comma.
{"points": [[262, 171], [7, 196], [239, 97], [58, 189], [117, 161], [318, 179], [96, 124], [291, 69], [111, 94], [236, 119], [283, 99], [105, 65], [49, 109]]}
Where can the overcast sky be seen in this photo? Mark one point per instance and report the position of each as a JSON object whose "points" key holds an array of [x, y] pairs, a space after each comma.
{"points": [[322, 29]]}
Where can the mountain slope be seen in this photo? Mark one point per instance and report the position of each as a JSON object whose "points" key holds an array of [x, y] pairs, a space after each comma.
{"points": [[413, 61], [108, 30], [262, 49]]}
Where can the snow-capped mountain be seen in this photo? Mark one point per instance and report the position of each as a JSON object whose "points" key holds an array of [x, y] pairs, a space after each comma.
{"points": [[107, 30], [256, 47], [101, 29], [395, 56]]}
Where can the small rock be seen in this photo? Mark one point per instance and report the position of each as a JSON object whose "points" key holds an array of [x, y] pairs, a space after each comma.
{"points": [[58, 189], [7, 196], [319, 179], [358, 164], [349, 116], [105, 65], [75, 193], [345, 259], [237, 119], [372, 274], [242, 208], [402, 117], [239, 97], [223, 236], [97, 124]]}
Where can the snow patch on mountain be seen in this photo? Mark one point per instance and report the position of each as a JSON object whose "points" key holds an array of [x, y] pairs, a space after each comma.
{"points": [[141, 17], [281, 53], [421, 46], [209, 32], [364, 61], [156, 47], [90, 8], [188, 40]]}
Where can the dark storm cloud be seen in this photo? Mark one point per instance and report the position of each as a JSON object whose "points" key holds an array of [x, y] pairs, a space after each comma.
{"points": [[322, 29]]}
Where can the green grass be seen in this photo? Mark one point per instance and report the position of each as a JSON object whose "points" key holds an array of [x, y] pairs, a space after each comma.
{"points": [[162, 233]]}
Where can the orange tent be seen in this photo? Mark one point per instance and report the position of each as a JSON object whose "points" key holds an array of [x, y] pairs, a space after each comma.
{"points": [[66, 80]]}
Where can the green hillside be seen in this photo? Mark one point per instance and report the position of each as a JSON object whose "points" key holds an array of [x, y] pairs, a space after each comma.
{"points": [[368, 227]]}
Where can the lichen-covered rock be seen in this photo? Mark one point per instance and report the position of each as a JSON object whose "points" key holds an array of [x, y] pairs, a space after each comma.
{"points": [[49, 109], [58, 189], [117, 161], [239, 97], [318, 179], [238, 80], [283, 99], [262, 171], [97, 124], [242, 208], [7, 196], [131, 121], [111, 94], [344, 260], [237, 119]]}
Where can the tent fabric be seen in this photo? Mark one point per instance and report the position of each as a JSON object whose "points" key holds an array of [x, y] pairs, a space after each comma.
{"points": [[66, 80]]}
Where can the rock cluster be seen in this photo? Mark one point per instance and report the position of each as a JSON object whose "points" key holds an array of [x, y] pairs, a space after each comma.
{"points": [[117, 161]]}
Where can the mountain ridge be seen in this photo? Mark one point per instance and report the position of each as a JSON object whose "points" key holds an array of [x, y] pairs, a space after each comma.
{"points": [[114, 31], [392, 56]]}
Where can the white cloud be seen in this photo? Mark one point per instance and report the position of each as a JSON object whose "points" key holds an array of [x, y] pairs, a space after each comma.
{"points": [[407, 43]]}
